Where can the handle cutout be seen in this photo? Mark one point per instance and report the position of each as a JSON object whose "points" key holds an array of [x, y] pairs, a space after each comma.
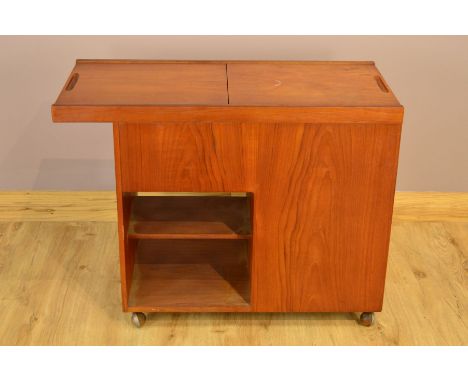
{"points": [[381, 84], [73, 80]]}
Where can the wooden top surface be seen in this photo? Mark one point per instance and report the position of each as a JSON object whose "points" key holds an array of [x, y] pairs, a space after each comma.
{"points": [[129, 90], [145, 83], [308, 84]]}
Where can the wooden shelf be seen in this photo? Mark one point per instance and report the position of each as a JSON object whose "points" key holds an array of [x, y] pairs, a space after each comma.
{"points": [[182, 230], [191, 275], [190, 217]]}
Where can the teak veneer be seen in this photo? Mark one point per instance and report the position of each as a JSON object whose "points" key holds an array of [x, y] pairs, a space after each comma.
{"points": [[296, 163]]}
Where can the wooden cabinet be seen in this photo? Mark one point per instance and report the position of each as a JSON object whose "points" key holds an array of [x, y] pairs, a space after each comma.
{"points": [[246, 186]]}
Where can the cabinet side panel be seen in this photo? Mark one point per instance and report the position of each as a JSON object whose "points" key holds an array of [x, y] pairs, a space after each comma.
{"points": [[197, 157], [126, 249], [323, 207]]}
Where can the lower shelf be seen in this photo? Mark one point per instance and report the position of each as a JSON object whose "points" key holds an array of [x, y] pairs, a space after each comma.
{"points": [[191, 275]]}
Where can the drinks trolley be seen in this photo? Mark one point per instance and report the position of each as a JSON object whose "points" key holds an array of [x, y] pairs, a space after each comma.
{"points": [[246, 186]]}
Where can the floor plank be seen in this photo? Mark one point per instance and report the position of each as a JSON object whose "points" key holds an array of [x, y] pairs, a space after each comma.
{"points": [[59, 282], [101, 205], [59, 285]]}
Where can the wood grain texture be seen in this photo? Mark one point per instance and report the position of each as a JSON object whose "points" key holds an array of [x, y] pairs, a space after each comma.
{"points": [[124, 203], [322, 208], [322, 216], [162, 230], [322, 188], [59, 285], [190, 114], [190, 217], [431, 206], [185, 157], [58, 206], [191, 275], [145, 84], [190, 91], [307, 83], [183, 288], [100, 206], [319, 85]]}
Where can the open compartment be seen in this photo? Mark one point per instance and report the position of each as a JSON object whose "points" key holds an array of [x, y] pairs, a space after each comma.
{"points": [[191, 275], [190, 216]]}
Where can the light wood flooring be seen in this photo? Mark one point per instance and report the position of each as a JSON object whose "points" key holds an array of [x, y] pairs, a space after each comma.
{"points": [[59, 282]]}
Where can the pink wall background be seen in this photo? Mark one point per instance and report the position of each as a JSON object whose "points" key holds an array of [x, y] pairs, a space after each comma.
{"points": [[429, 74]]}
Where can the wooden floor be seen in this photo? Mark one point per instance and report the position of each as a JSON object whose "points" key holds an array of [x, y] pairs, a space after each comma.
{"points": [[59, 282]]}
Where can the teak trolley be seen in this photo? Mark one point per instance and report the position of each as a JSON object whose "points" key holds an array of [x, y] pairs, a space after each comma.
{"points": [[246, 186]]}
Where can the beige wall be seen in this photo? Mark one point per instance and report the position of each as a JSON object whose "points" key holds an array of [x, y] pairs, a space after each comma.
{"points": [[428, 74]]}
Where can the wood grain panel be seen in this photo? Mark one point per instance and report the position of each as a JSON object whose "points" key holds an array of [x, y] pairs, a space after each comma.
{"points": [[189, 91], [191, 114], [323, 198], [322, 84], [184, 157], [124, 202], [145, 83], [323, 206]]}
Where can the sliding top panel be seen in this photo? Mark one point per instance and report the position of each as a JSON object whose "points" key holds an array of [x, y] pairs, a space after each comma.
{"points": [[314, 84], [147, 91], [113, 83]]}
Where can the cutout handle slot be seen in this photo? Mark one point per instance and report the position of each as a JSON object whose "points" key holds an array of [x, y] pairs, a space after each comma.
{"points": [[73, 80], [381, 84]]}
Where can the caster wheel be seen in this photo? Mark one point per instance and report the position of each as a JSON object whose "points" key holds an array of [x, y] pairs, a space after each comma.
{"points": [[138, 319], [367, 318]]}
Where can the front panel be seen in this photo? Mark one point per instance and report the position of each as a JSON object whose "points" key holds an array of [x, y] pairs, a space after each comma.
{"points": [[198, 157], [323, 207], [322, 200]]}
